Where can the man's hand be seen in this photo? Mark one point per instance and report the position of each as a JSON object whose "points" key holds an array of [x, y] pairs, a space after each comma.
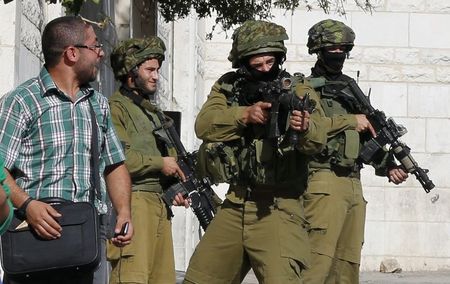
{"points": [[179, 200], [257, 113], [122, 240], [397, 175], [42, 217], [118, 184], [39, 215], [299, 120], [171, 168], [364, 124]]}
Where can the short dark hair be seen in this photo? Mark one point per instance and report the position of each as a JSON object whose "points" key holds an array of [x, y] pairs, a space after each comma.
{"points": [[60, 33]]}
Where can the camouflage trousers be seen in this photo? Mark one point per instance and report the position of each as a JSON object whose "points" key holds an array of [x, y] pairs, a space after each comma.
{"points": [[149, 258], [336, 210], [266, 236]]}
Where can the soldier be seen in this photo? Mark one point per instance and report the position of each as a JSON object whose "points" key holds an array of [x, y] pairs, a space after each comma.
{"points": [[258, 224], [334, 202], [151, 162]]}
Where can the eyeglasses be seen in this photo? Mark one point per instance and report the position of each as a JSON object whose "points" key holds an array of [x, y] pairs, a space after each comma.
{"points": [[95, 47]]}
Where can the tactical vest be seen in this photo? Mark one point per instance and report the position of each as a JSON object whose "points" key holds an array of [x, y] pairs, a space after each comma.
{"points": [[341, 150], [154, 115], [251, 160], [146, 136]]}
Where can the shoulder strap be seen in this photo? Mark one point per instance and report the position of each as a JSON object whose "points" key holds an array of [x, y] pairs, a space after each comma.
{"points": [[166, 121], [227, 86], [138, 100], [317, 82], [95, 159]]}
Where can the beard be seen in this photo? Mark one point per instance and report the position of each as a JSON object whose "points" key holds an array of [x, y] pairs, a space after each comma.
{"points": [[87, 73], [144, 87]]}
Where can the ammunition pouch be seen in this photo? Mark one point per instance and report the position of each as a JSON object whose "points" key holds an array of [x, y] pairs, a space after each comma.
{"points": [[341, 151], [217, 160], [255, 163], [262, 164]]}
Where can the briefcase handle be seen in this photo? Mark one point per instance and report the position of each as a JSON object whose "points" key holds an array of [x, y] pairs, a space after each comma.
{"points": [[55, 200]]}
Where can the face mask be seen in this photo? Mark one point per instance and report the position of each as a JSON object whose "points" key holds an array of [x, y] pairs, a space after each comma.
{"points": [[265, 76], [333, 61]]}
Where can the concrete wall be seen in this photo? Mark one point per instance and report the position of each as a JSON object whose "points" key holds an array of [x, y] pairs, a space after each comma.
{"points": [[403, 53]]}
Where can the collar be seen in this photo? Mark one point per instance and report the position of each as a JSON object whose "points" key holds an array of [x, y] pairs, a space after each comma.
{"points": [[49, 87]]}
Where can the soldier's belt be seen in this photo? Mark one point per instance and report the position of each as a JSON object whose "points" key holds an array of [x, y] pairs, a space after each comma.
{"points": [[267, 193], [345, 172], [147, 188]]}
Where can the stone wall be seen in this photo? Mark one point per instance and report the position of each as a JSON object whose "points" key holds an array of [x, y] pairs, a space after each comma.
{"points": [[402, 53], [20, 40], [9, 47]]}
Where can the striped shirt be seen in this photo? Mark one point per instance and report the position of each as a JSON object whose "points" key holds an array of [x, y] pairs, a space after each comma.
{"points": [[46, 139]]}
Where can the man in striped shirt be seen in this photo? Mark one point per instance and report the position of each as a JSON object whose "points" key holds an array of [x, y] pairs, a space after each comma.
{"points": [[46, 131]]}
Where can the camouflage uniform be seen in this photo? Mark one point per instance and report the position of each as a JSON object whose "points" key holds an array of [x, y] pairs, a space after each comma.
{"points": [[334, 203], [149, 258], [258, 224]]}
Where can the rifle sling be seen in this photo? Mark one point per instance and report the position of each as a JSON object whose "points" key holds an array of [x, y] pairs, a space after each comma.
{"points": [[147, 105]]}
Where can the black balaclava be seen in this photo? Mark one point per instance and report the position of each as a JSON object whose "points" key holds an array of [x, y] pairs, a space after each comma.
{"points": [[332, 61], [271, 75]]}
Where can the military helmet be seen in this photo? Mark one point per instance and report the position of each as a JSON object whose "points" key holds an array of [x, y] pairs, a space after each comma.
{"points": [[255, 37], [132, 52], [329, 33]]}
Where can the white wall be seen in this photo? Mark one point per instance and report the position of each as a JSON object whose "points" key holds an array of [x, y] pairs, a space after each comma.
{"points": [[187, 67], [403, 53]]}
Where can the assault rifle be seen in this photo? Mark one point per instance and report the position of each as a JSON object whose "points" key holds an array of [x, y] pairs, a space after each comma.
{"points": [[283, 100], [388, 132], [198, 190]]}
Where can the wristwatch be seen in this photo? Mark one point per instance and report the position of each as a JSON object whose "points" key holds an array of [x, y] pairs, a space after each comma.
{"points": [[21, 212]]}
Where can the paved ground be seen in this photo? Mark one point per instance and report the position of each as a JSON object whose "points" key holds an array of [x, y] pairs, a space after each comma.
{"points": [[425, 277]]}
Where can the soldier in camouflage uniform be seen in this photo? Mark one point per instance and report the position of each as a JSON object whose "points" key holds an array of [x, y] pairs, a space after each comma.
{"points": [[258, 224], [151, 162], [334, 202]]}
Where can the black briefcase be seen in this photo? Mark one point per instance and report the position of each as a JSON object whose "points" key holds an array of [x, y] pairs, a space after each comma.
{"points": [[24, 253]]}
